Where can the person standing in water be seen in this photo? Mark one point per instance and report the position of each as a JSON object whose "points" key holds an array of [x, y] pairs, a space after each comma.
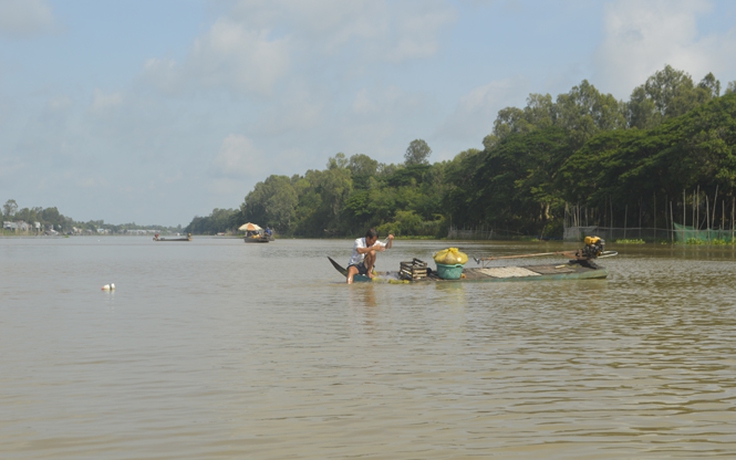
{"points": [[364, 254]]}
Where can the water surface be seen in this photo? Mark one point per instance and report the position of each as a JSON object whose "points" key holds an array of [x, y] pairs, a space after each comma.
{"points": [[219, 349]]}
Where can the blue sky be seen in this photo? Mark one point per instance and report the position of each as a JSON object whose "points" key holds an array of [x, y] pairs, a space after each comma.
{"points": [[157, 111]]}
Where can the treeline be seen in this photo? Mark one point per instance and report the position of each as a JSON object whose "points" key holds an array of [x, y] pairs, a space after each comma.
{"points": [[665, 152], [51, 219]]}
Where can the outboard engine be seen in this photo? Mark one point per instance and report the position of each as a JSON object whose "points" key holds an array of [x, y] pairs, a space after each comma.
{"points": [[593, 247]]}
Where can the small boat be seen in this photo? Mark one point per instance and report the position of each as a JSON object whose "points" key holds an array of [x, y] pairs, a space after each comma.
{"points": [[183, 238], [255, 234], [580, 266], [256, 237]]}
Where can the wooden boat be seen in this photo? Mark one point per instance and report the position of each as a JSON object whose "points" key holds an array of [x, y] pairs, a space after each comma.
{"points": [[256, 237], [580, 266], [572, 270], [184, 238]]}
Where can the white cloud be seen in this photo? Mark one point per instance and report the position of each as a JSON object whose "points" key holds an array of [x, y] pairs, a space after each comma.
{"points": [[9, 166], [477, 110], [246, 59], [163, 74], [642, 37], [248, 51], [228, 55], [95, 183], [417, 35], [25, 18], [102, 102], [59, 103], [363, 104], [298, 108], [238, 158]]}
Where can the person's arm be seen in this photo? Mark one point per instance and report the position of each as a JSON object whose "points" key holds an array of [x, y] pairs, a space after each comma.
{"points": [[390, 241], [362, 250]]}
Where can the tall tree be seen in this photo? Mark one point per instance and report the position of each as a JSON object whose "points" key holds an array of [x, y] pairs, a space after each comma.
{"points": [[9, 208], [731, 88], [272, 203], [417, 153], [667, 94], [584, 112]]}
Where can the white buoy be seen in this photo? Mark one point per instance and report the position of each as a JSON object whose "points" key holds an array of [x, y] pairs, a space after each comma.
{"points": [[109, 287]]}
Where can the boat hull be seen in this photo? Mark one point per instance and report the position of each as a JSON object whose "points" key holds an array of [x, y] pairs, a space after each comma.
{"points": [[566, 271]]}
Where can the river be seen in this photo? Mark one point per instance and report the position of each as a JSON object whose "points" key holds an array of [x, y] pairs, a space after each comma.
{"points": [[216, 349]]}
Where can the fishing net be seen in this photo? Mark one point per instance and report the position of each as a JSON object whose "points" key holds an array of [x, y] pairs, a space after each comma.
{"points": [[684, 234]]}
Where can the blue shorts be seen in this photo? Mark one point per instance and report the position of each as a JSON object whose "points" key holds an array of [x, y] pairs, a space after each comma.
{"points": [[362, 270]]}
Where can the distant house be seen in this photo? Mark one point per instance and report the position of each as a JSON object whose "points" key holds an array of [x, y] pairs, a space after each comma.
{"points": [[19, 226]]}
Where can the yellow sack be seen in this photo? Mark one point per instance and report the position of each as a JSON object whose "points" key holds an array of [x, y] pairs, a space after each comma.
{"points": [[450, 256]]}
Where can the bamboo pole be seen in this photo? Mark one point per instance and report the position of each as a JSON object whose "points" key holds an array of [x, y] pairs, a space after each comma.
{"points": [[523, 256], [610, 202], [684, 209], [672, 235], [697, 213], [707, 218], [694, 206], [715, 204]]}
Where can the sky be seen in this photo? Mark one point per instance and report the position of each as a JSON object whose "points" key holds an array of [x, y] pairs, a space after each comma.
{"points": [[155, 112]]}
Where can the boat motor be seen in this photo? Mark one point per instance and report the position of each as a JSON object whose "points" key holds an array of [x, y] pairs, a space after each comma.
{"points": [[593, 247]]}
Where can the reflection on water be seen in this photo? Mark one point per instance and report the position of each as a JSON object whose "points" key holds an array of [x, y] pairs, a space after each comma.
{"points": [[217, 349]]}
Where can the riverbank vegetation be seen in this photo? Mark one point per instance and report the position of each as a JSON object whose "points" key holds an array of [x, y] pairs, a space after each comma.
{"points": [[38, 220], [653, 160]]}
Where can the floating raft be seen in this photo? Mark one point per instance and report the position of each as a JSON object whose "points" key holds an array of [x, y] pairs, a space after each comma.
{"points": [[573, 270]]}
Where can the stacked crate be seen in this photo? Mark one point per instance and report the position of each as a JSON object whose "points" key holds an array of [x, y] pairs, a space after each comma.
{"points": [[413, 270]]}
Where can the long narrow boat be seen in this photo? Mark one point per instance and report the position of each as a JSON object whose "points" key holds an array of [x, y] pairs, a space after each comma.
{"points": [[580, 266], [184, 238], [256, 239], [572, 270]]}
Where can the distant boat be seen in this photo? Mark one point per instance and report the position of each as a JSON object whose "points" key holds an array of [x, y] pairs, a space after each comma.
{"points": [[183, 238], [256, 237], [255, 234]]}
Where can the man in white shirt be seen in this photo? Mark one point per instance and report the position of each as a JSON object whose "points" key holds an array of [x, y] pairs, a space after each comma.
{"points": [[364, 254]]}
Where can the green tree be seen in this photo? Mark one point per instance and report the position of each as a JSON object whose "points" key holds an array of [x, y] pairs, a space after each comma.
{"points": [[362, 168], [539, 113], [9, 208], [585, 112], [667, 94], [417, 153], [271, 203], [731, 88]]}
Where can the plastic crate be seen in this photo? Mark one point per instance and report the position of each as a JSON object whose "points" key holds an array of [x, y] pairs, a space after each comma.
{"points": [[450, 272]]}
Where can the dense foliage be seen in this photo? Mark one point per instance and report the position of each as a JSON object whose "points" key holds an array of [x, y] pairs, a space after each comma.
{"points": [[583, 149]]}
